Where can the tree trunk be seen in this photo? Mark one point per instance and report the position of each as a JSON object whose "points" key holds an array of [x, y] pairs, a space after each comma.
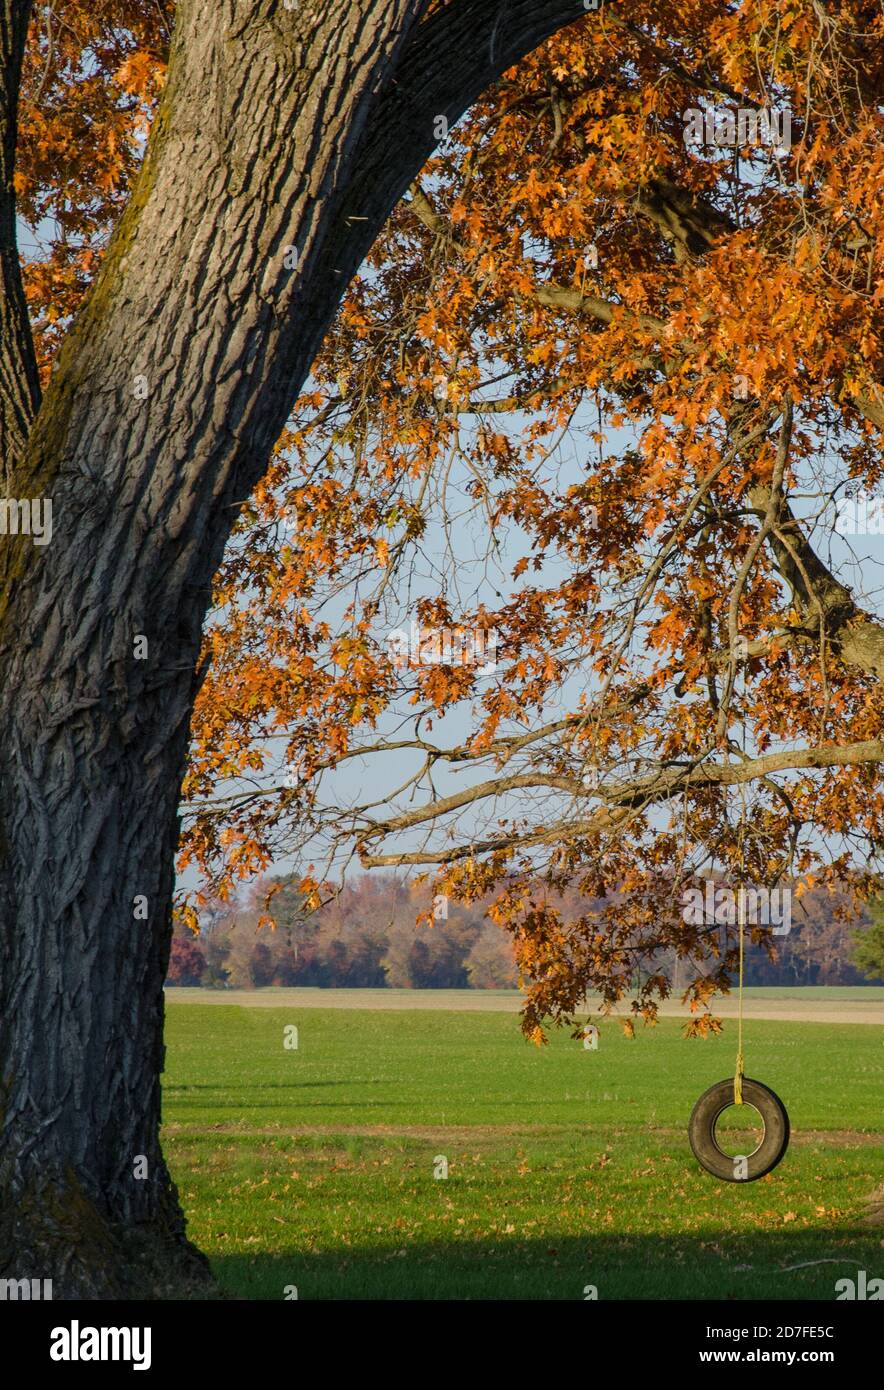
{"points": [[277, 129]]}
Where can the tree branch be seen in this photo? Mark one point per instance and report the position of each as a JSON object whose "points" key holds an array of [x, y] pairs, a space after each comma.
{"points": [[620, 799]]}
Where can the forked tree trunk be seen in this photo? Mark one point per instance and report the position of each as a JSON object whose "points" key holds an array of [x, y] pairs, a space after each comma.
{"points": [[278, 128]]}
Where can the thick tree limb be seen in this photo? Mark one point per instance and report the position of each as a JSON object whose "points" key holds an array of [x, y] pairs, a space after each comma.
{"points": [[619, 798], [855, 635]]}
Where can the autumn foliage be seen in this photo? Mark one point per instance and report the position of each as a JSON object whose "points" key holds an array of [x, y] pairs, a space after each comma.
{"points": [[595, 393]]}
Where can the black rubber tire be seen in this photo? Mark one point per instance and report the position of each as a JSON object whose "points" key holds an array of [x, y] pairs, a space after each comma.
{"points": [[701, 1131]]}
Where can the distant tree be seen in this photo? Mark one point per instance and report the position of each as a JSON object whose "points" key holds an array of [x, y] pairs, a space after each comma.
{"points": [[216, 974], [288, 966], [491, 963], [187, 962], [868, 943], [352, 932], [818, 948], [263, 965]]}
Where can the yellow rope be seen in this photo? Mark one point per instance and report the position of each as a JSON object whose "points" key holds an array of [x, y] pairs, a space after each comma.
{"points": [[741, 917], [738, 1073]]}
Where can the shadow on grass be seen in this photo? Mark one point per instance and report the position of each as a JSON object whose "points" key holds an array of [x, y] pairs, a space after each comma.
{"points": [[758, 1266], [178, 1093]]}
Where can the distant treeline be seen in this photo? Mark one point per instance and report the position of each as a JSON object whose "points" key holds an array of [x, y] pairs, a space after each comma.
{"points": [[367, 938]]}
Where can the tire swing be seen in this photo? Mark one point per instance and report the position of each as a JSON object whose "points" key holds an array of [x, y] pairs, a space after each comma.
{"points": [[740, 1091]]}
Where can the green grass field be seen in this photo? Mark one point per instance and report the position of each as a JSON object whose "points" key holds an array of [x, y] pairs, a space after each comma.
{"points": [[567, 1167]]}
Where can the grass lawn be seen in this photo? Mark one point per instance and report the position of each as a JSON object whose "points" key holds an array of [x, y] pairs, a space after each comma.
{"points": [[566, 1167]]}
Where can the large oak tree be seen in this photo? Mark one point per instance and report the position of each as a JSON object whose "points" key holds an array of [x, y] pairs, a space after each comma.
{"points": [[282, 140]]}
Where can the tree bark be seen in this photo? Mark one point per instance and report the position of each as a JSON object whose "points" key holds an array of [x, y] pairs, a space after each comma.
{"points": [[277, 129]]}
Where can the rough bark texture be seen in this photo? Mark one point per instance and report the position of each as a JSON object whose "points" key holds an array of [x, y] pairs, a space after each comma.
{"points": [[277, 128]]}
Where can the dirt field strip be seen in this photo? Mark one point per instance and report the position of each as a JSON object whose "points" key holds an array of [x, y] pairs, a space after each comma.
{"points": [[777, 1010], [476, 1135]]}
